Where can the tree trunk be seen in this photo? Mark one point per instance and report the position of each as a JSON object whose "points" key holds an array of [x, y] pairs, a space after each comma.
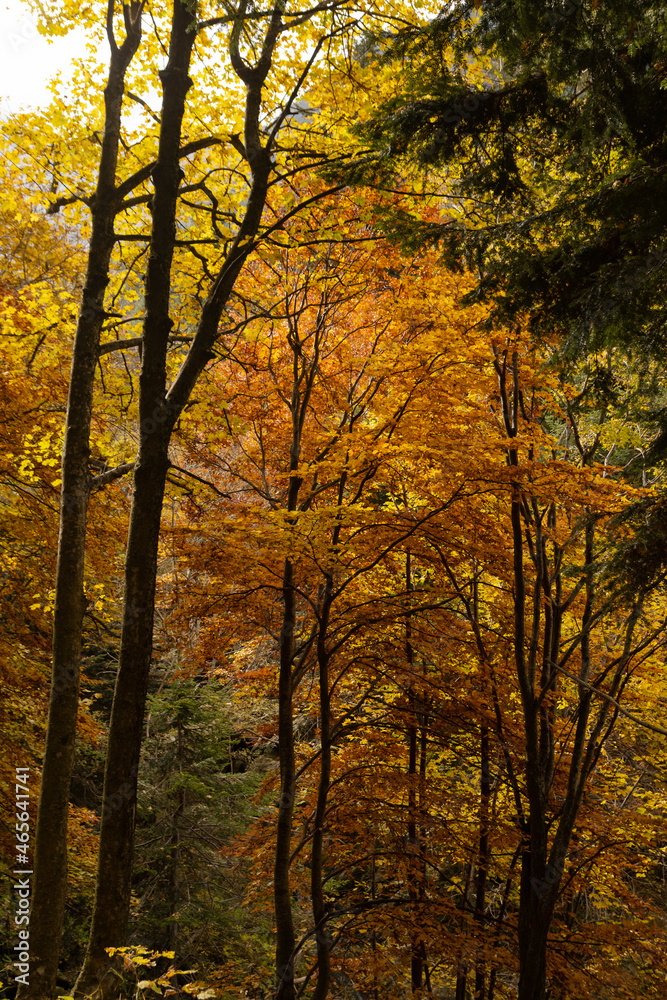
{"points": [[414, 848], [416, 947], [285, 940], [175, 848], [461, 964], [322, 935], [322, 938], [499, 921], [423, 815], [50, 857], [158, 412], [112, 900], [533, 974], [534, 922], [302, 384], [482, 859]]}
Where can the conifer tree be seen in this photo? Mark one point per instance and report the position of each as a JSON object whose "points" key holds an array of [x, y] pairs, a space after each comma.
{"points": [[549, 121]]}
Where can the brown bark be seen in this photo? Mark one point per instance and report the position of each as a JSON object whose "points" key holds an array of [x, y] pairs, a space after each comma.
{"points": [[322, 935], [535, 910], [306, 352], [50, 857], [285, 936], [304, 373], [416, 962], [423, 745], [461, 966], [417, 747], [500, 919]]}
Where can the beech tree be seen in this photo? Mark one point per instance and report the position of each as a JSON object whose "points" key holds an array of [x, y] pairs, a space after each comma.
{"points": [[464, 627], [254, 40], [334, 377], [50, 855]]}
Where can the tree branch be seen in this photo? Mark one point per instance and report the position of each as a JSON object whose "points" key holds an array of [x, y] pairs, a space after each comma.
{"points": [[124, 345], [108, 477], [145, 172], [206, 482]]}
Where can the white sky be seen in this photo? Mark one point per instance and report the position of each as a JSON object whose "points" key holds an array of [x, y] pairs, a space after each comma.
{"points": [[27, 60]]}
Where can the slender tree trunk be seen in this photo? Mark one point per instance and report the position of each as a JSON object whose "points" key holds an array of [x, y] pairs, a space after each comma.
{"points": [[285, 938], [302, 383], [50, 857], [417, 743], [461, 965], [540, 878], [374, 944], [413, 860], [423, 720], [322, 937], [416, 947], [322, 934], [482, 860], [175, 848], [500, 919]]}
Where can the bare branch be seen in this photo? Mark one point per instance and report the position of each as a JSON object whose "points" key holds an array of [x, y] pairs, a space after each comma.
{"points": [[125, 345], [144, 173], [144, 105], [55, 206], [108, 477]]}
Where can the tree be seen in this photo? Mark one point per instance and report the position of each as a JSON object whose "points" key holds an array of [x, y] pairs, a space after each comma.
{"points": [[42, 277], [462, 616], [335, 377], [547, 653], [195, 794], [542, 159], [403, 482], [50, 853], [253, 43], [557, 117]]}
